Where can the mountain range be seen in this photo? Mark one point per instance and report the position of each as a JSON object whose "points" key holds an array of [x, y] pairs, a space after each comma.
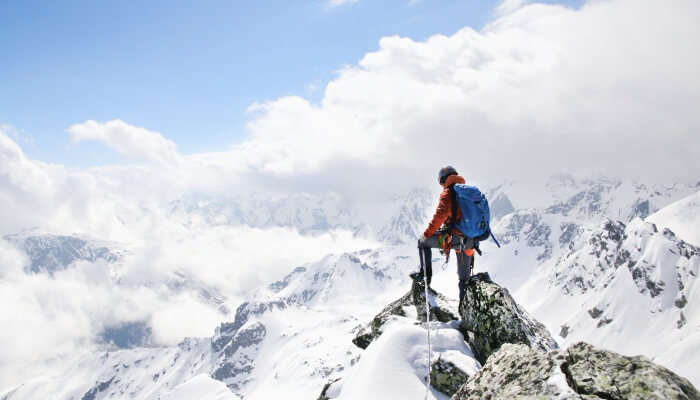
{"points": [[605, 261]]}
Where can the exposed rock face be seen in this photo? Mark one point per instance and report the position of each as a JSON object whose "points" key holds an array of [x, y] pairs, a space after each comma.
{"points": [[441, 309], [446, 377], [491, 318], [236, 344], [329, 390], [51, 253], [580, 372], [527, 227], [515, 370]]}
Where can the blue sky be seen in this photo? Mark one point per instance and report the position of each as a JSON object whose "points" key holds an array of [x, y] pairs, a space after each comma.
{"points": [[188, 71]]}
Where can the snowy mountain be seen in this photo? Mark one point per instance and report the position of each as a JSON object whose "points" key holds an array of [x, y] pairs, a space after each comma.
{"points": [[309, 214], [577, 254], [590, 199], [682, 217], [288, 339], [409, 216], [630, 288], [620, 283], [50, 253]]}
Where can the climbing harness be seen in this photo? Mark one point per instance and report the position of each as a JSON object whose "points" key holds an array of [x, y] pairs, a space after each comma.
{"points": [[427, 318]]}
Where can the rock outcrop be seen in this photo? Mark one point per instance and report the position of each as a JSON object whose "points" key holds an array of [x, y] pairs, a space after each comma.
{"points": [[447, 377], [579, 372], [442, 309], [519, 357], [492, 318]]}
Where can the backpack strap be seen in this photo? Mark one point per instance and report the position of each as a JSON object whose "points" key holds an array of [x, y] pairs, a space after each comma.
{"points": [[453, 199], [494, 239]]}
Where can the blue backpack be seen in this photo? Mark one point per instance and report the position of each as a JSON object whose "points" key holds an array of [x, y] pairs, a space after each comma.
{"points": [[476, 214]]}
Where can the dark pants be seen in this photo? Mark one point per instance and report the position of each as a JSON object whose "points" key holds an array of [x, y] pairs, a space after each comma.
{"points": [[464, 262]]}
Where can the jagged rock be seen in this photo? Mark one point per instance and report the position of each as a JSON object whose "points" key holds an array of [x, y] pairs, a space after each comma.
{"points": [[227, 330], [515, 370], [97, 389], [527, 227], [564, 332], [446, 377], [606, 374], [329, 390], [237, 359], [441, 309], [579, 372], [491, 318]]}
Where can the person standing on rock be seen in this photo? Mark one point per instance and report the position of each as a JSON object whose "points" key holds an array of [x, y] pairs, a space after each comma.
{"points": [[442, 234]]}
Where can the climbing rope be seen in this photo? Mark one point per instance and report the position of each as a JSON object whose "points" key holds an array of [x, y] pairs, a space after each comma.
{"points": [[427, 319]]}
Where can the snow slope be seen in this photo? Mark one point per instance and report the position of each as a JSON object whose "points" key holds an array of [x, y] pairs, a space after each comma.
{"points": [[395, 365], [200, 387], [682, 217]]}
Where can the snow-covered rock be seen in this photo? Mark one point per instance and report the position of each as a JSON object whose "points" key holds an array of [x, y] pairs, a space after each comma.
{"points": [[412, 304]]}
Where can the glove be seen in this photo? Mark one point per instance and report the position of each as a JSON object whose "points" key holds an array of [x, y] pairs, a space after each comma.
{"points": [[421, 239]]}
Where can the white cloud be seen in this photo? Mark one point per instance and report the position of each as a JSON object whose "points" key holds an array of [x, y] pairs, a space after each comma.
{"points": [[509, 6], [541, 89], [131, 141]]}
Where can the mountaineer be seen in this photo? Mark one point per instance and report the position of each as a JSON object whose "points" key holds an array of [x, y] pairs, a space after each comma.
{"points": [[461, 220]]}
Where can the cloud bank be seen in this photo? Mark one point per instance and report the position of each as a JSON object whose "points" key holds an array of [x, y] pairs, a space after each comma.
{"points": [[131, 141], [542, 88]]}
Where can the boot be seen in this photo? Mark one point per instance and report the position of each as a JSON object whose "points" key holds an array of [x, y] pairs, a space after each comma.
{"points": [[462, 289]]}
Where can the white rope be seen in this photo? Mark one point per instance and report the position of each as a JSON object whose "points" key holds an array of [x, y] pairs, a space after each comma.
{"points": [[427, 322]]}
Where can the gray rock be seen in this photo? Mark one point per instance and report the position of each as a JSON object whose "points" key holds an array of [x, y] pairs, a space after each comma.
{"points": [[441, 309], [608, 375], [580, 372], [234, 366], [527, 227], [514, 371], [97, 389], [491, 318], [446, 377]]}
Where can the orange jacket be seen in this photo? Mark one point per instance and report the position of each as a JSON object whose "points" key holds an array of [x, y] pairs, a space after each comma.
{"points": [[444, 208]]}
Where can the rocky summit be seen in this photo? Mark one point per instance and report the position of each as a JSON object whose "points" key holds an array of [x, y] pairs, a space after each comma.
{"points": [[579, 372], [516, 356], [491, 318], [442, 309]]}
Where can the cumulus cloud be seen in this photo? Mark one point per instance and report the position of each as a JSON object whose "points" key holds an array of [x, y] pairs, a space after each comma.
{"points": [[129, 140], [541, 89]]}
